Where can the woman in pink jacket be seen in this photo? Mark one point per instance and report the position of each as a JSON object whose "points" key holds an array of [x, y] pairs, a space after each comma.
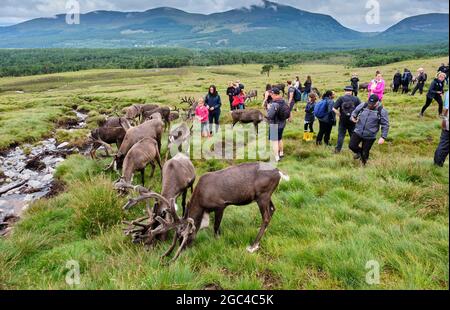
{"points": [[377, 86]]}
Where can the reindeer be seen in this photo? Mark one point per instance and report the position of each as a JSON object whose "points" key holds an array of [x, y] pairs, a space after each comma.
{"points": [[111, 132], [238, 185], [192, 103], [248, 116], [253, 94], [151, 129], [165, 113], [142, 154]]}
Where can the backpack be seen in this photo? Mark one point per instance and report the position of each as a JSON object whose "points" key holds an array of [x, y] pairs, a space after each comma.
{"points": [[347, 108], [283, 112], [297, 95], [321, 109], [380, 109]]}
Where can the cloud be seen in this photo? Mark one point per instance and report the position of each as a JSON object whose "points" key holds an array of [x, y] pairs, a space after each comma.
{"points": [[351, 13]]}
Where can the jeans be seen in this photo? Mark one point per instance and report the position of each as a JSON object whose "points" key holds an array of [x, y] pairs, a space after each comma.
{"points": [[324, 133], [344, 127], [438, 99], [305, 96], [364, 150], [214, 118], [442, 151]]}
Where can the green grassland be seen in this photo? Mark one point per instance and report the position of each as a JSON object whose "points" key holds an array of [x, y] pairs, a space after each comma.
{"points": [[332, 217]]}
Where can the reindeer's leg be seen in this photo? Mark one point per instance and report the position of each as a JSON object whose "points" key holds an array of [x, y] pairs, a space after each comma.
{"points": [[218, 221], [153, 169], [94, 149], [143, 176], [267, 209], [183, 202]]}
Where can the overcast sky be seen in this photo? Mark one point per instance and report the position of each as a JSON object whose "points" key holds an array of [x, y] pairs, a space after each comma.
{"points": [[351, 13]]}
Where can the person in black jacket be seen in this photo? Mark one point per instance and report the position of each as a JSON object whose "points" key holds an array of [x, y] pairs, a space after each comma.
{"points": [[406, 80], [421, 79], [230, 93], [397, 81], [355, 84], [435, 92], [213, 103], [444, 69]]}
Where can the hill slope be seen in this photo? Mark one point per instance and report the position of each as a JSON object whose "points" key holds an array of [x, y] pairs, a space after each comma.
{"points": [[268, 26]]}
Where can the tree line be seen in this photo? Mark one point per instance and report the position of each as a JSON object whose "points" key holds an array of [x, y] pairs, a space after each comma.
{"points": [[23, 62]]}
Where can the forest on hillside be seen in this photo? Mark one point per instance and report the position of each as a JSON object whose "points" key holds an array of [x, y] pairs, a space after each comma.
{"points": [[23, 62]]}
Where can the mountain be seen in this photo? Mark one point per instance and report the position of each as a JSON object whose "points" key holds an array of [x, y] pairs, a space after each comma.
{"points": [[269, 26]]}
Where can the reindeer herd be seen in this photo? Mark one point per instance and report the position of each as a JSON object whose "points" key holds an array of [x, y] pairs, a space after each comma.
{"points": [[138, 136]]}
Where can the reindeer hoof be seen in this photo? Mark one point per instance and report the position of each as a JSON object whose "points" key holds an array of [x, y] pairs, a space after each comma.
{"points": [[253, 249]]}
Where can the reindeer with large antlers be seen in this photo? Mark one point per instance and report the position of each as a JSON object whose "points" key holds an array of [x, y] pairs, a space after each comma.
{"points": [[238, 185]]}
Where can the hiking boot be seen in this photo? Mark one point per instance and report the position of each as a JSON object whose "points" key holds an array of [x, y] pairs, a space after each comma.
{"points": [[421, 115], [336, 151], [357, 156]]}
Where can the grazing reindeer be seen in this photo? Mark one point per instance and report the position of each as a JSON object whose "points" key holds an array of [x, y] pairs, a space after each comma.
{"points": [[165, 113], [281, 87], [253, 94], [192, 103], [238, 185], [150, 129], [178, 138], [109, 133], [248, 116], [142, 154]]}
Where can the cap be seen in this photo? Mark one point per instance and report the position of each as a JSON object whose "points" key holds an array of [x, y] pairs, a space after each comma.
{"points": [[374, 99], [348, 88], [276, 91]]}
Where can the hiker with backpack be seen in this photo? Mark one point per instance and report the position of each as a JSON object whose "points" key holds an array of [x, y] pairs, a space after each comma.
{"points": [[406, 80], [230, 93], [239, 100], [441, 153], [310, 118], [344, 108], [214, 104], [377, 86], [294, 95], [397, 81], [421, 79], [368, 117], [323, 111], [307, 88], [355, 84], [435, 93], [267, 97], [279, 112]]}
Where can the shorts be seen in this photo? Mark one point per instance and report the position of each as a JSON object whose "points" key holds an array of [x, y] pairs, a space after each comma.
{"points": [[275, 132], [205, 128]]}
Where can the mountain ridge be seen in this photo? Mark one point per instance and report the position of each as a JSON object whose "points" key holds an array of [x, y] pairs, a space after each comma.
{"points": [[269, 26]]}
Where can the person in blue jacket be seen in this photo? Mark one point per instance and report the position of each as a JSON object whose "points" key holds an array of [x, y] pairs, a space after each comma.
{"points": [[214, 104]]}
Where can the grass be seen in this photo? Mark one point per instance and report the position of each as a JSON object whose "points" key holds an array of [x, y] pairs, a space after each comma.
{"points": [[332, 217]]}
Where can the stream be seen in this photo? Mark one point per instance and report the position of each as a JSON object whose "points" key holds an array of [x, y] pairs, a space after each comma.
{"points": [[27, 174]]}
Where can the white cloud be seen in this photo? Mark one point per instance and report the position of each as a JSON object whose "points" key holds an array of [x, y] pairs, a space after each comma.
{"points": [[351, 13]]}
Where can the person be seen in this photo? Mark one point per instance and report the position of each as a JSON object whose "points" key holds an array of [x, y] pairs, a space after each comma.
{"points": [[355, 84], [309, 117], [435, 93], [230, 93], [239, 99], [421, 79], [444, 69], [202, 114], [406, 80], [368, 117], [294, 95], [397, 81], [344, 108], [377, 86], [214, 104], [278, 114], [326, 116], [298, 84], [441, 153], [267, 97], [307, 88]]}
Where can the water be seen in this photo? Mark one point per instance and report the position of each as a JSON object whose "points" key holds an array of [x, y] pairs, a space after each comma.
{"points": [[31, 173]]}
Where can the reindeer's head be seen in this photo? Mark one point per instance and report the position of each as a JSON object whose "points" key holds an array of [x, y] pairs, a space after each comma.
{"points": [[192, 103], [163, 219]]}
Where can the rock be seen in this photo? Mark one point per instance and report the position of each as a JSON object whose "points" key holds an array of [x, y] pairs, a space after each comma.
{"points": [[35, 184], [63, 145]]}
